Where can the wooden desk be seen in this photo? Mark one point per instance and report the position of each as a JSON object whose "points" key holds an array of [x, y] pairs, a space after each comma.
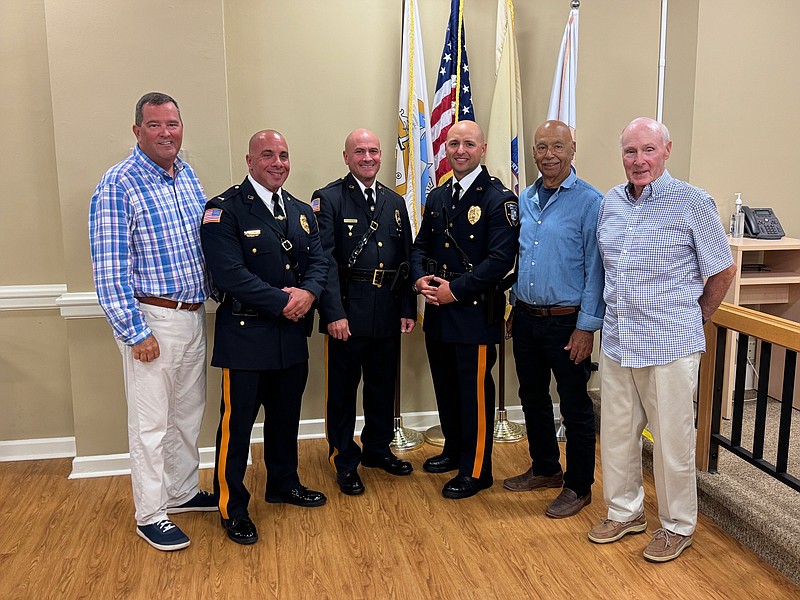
{"points": [[776, 291]]}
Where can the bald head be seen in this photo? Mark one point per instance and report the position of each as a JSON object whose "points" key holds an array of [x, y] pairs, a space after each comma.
{"points": [[553, 151], [645, 146], [362, 155], [465, 148], [268, 159]]}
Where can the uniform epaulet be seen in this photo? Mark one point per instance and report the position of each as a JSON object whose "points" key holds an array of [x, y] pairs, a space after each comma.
{"points": [[229, 193], [499, 185], [335, 183]]}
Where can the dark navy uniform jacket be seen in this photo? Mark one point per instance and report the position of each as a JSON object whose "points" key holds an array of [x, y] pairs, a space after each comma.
{"points": [[247, 263], [485, 224], [344, 218]]}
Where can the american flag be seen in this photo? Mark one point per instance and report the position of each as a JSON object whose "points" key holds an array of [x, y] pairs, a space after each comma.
{"points": [[453, 99]]}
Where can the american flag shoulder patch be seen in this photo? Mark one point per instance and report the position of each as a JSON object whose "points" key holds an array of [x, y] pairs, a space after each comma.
{"points": [[212, 215], [315, 204]]}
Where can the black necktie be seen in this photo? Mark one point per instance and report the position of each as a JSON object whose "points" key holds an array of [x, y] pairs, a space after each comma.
{"points": [[277, 212], [456, 194], [370, 201]]}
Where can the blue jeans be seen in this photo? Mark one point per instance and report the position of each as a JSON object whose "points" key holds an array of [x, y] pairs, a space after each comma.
{"points": [[538, 345]]}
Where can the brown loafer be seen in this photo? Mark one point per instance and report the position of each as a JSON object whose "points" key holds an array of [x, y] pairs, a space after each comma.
{"points": [[528, 481], [567, 503]]}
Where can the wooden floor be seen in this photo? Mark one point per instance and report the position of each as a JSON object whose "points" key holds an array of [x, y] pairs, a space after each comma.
{"points": [[75, 539]]}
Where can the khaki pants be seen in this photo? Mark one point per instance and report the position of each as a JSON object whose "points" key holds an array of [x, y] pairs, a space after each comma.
{"points": [[166, 400], [661, 398]]}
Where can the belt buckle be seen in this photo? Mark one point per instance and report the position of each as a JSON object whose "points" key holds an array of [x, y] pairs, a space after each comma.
{"points": [[286, 245], [377, 277]]}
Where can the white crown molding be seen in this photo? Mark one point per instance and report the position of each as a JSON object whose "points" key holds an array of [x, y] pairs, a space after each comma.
{"points": [[31, 297]]}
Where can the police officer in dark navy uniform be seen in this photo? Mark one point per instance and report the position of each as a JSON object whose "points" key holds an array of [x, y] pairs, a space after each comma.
{"points": [[264, 254], [466, 245], [366, 305]]}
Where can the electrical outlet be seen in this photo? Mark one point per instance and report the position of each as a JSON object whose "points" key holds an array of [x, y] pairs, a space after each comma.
{"points": [[751, 350]]}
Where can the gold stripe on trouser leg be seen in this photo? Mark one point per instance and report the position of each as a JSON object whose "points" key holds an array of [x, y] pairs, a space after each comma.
{"points": [[225, 438], [480, 446], [335, 451]]}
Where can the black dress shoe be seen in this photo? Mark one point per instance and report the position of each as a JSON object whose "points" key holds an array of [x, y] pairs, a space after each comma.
{"points": [[299, 496], [241, 529], [391, 464], [350, 483], [440, 464], [464, 486]]}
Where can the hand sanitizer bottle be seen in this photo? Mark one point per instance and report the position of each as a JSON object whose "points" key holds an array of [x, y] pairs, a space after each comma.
{"points": [[738, 218]]}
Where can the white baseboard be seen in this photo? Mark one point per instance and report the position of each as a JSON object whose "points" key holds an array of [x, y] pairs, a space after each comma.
{"points": [[36, 449], [119, 464]]}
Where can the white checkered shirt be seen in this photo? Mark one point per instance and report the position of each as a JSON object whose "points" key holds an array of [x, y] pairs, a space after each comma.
{"points": [[656, 251]]}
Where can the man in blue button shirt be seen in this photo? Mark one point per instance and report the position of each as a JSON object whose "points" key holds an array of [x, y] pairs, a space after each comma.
{"points": [[557, 308]]}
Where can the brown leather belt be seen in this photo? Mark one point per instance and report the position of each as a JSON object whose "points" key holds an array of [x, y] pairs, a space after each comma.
{"points": [[545, 311], [164, 303]]}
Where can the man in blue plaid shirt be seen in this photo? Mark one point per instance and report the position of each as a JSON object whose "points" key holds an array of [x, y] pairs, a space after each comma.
{"points": [[668, 266], [144, 229]]}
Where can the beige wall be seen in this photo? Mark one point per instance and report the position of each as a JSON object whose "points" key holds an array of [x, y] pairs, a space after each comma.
{"points": [[71, 72]]}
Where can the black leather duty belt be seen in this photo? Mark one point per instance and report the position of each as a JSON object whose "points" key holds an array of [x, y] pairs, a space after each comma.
{"points": [[545, 311], [448, 275], [376, 277]]}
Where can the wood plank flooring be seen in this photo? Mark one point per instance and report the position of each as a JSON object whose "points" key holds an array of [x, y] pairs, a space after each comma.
{"points": [[75, 539]]}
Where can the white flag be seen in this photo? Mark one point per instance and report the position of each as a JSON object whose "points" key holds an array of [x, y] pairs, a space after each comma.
{"points": [[562, 97], [414, 153], [505, 154]]}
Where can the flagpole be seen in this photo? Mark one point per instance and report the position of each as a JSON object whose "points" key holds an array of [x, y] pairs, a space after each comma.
{"points": [[405, 438]]}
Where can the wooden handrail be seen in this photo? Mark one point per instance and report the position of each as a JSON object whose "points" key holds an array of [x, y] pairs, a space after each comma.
{"points": [[763, 326]]}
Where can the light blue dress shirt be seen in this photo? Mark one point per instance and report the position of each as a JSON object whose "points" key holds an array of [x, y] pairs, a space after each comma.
{"points": [[559, 263]]}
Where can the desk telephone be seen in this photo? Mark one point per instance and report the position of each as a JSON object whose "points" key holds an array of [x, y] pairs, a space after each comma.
{"points": [[761, 223]]}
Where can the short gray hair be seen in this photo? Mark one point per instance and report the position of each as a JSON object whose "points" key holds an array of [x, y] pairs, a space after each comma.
{"points": [[156, 99]]}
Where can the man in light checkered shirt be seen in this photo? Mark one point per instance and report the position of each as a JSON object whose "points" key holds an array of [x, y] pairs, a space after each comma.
{"points": [[667, 267]]}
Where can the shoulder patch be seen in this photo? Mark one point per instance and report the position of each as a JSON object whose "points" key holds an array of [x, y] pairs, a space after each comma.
{"points": [[512, 212], [315, 203], [212, 215]]}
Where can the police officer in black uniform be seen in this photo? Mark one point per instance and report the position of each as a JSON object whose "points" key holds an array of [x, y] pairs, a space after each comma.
{"points": [[366, 235], [263, 252], [466, 245]]}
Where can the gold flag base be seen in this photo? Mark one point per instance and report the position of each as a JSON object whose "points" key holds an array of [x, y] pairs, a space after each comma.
{"points": [[434, 436], [507, 431], [404, 438]]}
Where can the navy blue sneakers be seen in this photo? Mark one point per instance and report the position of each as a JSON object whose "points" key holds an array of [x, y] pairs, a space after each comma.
{"points": [[163, 535], [202, 502]]}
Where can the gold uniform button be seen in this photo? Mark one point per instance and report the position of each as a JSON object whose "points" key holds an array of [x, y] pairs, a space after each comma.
{"points": [[349, 234], [447, 244], [380, 244], [444, 267], [372, 208], [241, 322], [472, 237], [287, 267], [475, 302], [253, 250], [380, 265], [451, 225]]}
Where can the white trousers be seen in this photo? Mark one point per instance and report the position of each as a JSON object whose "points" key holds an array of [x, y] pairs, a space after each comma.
{"points": [[166, 400], [661, 398]]}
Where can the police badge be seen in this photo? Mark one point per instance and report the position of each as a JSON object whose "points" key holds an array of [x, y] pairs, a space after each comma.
{"points": [[474, 214], [304, 224]]}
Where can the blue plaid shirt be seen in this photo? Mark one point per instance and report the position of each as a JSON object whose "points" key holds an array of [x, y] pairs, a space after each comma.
{"points": [[144, 230], [558, 259], [656, 251]]}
